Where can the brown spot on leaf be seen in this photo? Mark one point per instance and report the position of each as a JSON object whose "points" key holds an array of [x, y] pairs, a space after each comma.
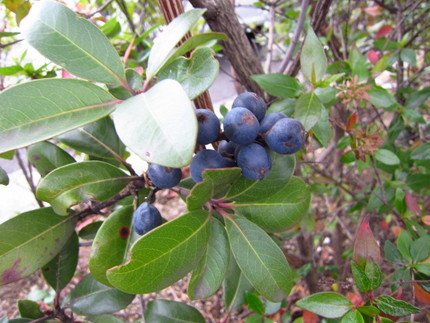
{"points": [[12, 274], [35, 157], [124, 232]]}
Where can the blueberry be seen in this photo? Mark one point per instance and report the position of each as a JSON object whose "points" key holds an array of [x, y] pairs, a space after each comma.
{"points": [[254, 161], [287, 136], [205, 159], [227, 148], [209, 126], [252, 102], [269, 120], [241, 126], [164, 177], [145, 218]]}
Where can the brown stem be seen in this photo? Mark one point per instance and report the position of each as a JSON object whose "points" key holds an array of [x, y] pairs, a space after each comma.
{"points": [[28, 177]]}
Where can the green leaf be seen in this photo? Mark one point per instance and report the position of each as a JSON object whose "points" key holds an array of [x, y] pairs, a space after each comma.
{"points": [[353, 317], [4, 178], [159, 125], [422, 152], [368, 310], [168, 38], [41, 109], [386, 157], [164, 255], [257, 318], [110, 246], [30, 240], [358, 64], [380, 97], [279, 85], [418, 181], [10, 70], [165, 311], [73, 43], [235, 286], [60, 270], [96, 139], [423, 268], [207, 277], [214, 182], [105, 318], [373, 272], [281, 210], [391, 252], [90, 297], [326, 304], [417, 99], [409, 56], [404, 243], [97, 180], [420, 249], [111, 28], [312, 59], [308, 110], [323, 130], [196, 74], [46, 157], [89, 231], [259, 258], [29, 309], [254, 303], [394, 307], [360, 278]]}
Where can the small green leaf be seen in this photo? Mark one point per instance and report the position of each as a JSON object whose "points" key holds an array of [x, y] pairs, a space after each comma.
{"points": [[29, 309], [60, 270], [90, 297], [71, 42], [41, 109], [353, 317], [423, 268], [409, 56], [373, 272], [391, 252], [380, 97], [417, 99], [105, 318], [395, 307], [358, 63], [420, 249], [30, 240], [154, 119], [308, 110], [404, 243], [312, 59], [168, 38], [235, 286], [10, 70], [164, 255], [254, 303], [326, 304], [97, 180], [111, 27], [386, 157], [46, 157], [110, 246], [89, 231], [209, 273], [259, 258], [368, 310], [360, 278], [422, 152], [418, 181], [165, 311], [4, 178], [196, 74], [323, 130], [279, 85]]}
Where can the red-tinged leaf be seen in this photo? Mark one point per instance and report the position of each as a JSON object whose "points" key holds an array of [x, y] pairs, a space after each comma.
{"points": [[355, 299], [365, 245], [373, 57], [426, 219], [421, 295], [383, 31], [412, 204], [373, 11], [309, 317], [352, 120]]}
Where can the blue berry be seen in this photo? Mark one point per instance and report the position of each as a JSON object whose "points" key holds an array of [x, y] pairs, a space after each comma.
{"points": [[145, 218], [209, 126], [205, 159], [287, 136], [252, 102], [241, 126], [269, 120], [227, 148], [254, 161], [164, 177]]}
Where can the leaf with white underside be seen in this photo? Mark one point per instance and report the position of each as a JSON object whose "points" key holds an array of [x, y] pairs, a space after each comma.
{"points": [[39, 110], [72, 42], [159, 125]]}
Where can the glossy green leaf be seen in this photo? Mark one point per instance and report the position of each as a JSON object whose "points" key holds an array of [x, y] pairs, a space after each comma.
{"points": [[235, 286], [78, 182], [422, 152], [360, 278], [254, 302], [323, 130], [45, 157], [41, 109], [281, 210], [30, 240], [159, 125], [209, 273], [10, 70], [279, 85], [308, 110], [72, 42], [373, 272], [259, 258], [164, 255], [214, 182], [29, 309], [326, 304], [352, 317], [386, 157], [111, 28], [313, 61], [165, 311], [168, 38], [380, 97], [368, 310], [4, 178], [60, 270], [395, 307], [420, 248], [90, 297], [89, 231], [96, 139], [196, 74], [110, 246]]}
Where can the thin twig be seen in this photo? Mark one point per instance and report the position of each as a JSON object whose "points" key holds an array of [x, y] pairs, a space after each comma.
{"points": [[100, 9], [27, 177]]}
